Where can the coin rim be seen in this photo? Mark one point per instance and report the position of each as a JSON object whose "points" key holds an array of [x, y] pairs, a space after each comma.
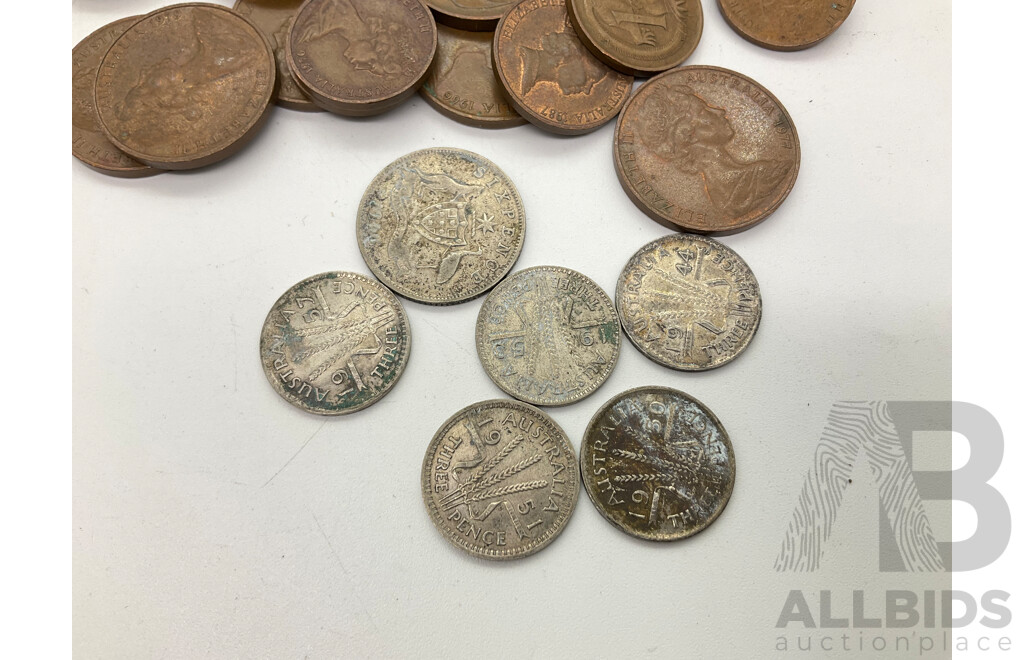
{"points": [[666, 221], [533, 401], [410, 296], [209, 155], [366, 404], [357, 107], [776, 46], [435, 515], [664, 537], [465, 21], [530, 115], [620, 284], [631, 67]]}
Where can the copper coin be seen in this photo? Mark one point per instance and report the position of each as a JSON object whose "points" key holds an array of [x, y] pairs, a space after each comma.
{"points": [[785, 24], [549, 75], [274, 17], [461, 83], [688, 302], [185, 86], [361, 57], [88, 143], [500, 479], [477, 15], [335, 343], [638, 37], [657, 464], [706, 149], [441, 226]]}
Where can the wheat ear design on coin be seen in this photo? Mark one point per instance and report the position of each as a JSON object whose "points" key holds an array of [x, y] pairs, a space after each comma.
{"points": [[660, 476], [493, 480], [457, 496], [508, 490], [652, 460]]}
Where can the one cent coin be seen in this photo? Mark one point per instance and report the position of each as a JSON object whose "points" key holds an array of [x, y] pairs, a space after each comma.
{"points": [[461, 84], [706, 149], [185, 86], [88, 143], [548, 74], [441, 226], [335, 343], [477, 15], [500, 480], [274, 17], [785, 24], [642, 37], [657, 464], [688, 302], [548, 336], [361, 57]]}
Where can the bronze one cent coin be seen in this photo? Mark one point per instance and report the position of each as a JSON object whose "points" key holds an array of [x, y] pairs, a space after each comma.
{"points": [[361, 57], [185, 86], [548, 74], [706, 149], [548, 336], [688, 302], [657, 464], [638, 37], [88, 143], [500, 480], [785, 24], [335, 343], [477, 15], [274, 17], [441, 226], [461, 83]]}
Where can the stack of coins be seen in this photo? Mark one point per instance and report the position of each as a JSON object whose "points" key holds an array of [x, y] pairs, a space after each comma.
{"points": [[697, 148]]}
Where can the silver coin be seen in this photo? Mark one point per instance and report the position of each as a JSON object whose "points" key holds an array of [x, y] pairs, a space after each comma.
{"points": [[335, 343], [657, 464], [500, 479], [441, 226], [548, 336], [688, 302]]}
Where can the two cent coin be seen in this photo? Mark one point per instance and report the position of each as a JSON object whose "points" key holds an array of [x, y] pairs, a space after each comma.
{"points": [[335, 343], [361, 57], [706, 149], [500, 480], [657, 464], [185, 86]]}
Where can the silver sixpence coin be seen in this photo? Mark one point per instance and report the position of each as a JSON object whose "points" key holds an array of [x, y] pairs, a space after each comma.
{"points": [[548, 336], [335, 343], [500, 479], [657, 464], [441, 226], [688, 302]]}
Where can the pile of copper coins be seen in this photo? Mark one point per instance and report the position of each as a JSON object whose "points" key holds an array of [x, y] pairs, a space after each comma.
{"points": [[699, 149]]}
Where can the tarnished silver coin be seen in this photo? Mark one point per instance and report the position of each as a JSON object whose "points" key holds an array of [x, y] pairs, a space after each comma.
{"points": [[548, 336], [500, 479], [657, 464], [441, 226], [335, 343], [688, 302]]}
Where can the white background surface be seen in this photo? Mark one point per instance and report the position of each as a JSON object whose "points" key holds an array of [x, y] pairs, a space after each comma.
{"points": [[212, 519]]}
